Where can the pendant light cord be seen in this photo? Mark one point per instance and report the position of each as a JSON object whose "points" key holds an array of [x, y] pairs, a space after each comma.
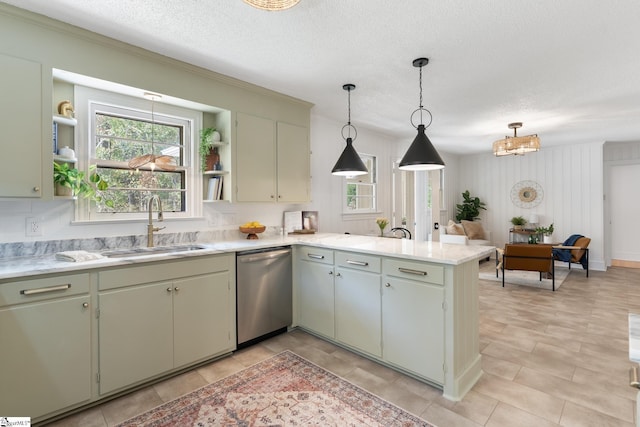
{"points": [[349, 110], [421, 106]]}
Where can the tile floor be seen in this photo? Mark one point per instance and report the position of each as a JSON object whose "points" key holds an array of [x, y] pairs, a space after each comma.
{"points": [[548, 358]]}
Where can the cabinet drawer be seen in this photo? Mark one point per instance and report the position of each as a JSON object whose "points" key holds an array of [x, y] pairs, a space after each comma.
{"points": [[413, 270], [358, 261], [41, 289], [158, 272], [309, 253]]}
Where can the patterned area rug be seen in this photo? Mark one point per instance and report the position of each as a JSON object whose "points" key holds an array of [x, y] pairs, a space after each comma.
{"points": [[519, 277], [285, 389]]}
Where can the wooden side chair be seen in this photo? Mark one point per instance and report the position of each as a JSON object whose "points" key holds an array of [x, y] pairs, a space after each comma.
{"points": [[578, 253], [529, 258]]}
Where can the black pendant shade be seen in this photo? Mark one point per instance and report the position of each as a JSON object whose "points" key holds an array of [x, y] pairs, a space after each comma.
{"points": [[349, 163], [421, 155]]}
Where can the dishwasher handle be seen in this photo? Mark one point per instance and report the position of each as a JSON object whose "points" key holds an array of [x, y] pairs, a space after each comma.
{"points": [[261, 256]]}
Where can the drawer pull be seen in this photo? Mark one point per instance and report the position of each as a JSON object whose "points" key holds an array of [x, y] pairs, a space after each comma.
{"points": [[45, 290], [410, 271], [314, 256], [361, 263]]}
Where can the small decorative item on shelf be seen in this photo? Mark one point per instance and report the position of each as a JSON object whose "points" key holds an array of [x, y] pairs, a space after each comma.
{"points": [[518, 222], [382, 223], [252, 229], [546, 232], [65, 109], [73, 182], [208, 153]]}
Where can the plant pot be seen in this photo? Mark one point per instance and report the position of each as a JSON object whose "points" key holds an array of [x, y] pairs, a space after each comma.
{"points": [[63, 191], [517, 228], [212, 159], [547, 238]]}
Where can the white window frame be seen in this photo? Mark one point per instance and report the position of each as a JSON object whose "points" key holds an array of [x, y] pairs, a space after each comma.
{"points": [[88, 101], [374, 185]]}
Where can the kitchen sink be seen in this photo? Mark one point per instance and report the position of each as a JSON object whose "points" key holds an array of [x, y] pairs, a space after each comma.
{"points": [[142, 251]]}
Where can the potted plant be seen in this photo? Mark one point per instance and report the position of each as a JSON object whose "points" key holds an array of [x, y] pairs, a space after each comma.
{"points": [[546, 233], [70, 181], [470, 207], [208, 156], [518, 222]]}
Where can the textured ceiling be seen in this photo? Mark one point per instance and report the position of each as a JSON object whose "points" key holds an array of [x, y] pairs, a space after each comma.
{"points": [[570, 69]]}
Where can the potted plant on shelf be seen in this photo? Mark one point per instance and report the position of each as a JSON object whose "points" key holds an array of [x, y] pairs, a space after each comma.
{"points": [[470, 207], [209, 156], [518, 222], [546, 232], [70, 181]]}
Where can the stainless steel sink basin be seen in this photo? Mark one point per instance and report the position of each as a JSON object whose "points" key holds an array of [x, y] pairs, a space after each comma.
{"points": [[142, 251]]}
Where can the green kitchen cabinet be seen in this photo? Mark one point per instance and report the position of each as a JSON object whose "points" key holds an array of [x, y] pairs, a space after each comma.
{"points": [[45, 340], [149, 326], [23, 114]]}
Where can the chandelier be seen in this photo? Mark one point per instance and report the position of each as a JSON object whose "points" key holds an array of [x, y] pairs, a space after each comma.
{"points": [[272, 5], [516, 145]]}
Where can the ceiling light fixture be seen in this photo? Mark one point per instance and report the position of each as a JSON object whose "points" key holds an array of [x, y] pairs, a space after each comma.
{"points": [[421, 155], [349, 163], [272, 5], [516, 145], [152, 161]]}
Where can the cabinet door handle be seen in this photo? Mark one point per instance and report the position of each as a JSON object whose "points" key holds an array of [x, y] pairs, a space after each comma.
{"points": [[338, 275], [361, 263], [45, 290], [169, 289], [410, 271], [633, 377], [177, 288], [85, 304], [387, 285], [330, 273], [314, 256], [36, 189]]}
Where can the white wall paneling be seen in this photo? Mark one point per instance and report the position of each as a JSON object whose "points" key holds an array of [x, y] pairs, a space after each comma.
{"points": [[571, 178]]}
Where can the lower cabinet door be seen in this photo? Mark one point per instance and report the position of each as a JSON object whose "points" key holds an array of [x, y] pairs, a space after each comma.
{"points": [[413, 326], [201, 318], [358, 322], [316, 298], [135, 334], [45, 357]]}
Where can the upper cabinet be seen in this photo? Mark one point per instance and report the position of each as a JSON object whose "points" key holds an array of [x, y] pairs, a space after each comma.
{"points": [[272, 161], [23, 136]]}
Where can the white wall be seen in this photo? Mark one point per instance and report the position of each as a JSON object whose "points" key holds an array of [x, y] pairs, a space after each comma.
{"points": [[571, 178], [618, 154]]}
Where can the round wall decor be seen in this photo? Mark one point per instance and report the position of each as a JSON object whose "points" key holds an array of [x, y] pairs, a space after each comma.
{"points": [[526, 194]]}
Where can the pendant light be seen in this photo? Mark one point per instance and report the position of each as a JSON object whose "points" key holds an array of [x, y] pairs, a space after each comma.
{"points": [[152, 161], [349, 163], [421, 155]]}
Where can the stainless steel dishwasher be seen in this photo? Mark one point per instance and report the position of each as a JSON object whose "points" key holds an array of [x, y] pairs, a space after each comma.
{"points": [[263, 294]]}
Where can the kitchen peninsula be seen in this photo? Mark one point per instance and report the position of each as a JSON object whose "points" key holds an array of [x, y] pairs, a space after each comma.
{"points": [[410, 305]]}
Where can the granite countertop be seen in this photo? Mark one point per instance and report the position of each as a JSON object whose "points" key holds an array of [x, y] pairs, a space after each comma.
{"points": [[19, 267]]}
